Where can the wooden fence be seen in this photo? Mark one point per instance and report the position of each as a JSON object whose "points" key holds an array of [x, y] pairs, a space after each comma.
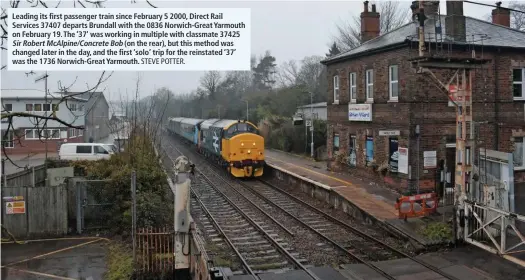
{"points": [[34, 176], [40, 211]]}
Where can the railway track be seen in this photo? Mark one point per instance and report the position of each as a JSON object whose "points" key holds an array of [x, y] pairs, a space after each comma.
{"points": [[246, 228], [356, 244]]}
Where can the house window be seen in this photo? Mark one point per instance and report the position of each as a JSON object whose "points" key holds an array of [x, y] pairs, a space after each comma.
{"points": [[336, 142], [518, 77], [352, 87], [369, 149], [518, 154], [37, 107], [46, 107], [336, 89], [72, 107], [80, 132], [8, 107], [352, 150], [8, 142], [29, 107], [30, 134], [370, 85], [56, 107], [80, 108], [393, 83], [72, 132]]}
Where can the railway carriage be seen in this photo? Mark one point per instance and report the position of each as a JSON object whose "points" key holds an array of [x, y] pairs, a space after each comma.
{"points": [[235, 145]]}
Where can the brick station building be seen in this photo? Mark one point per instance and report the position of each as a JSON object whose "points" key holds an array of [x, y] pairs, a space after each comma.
{"points": [[376, 100]]}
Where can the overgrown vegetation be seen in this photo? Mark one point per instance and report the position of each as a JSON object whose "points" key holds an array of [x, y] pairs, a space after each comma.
{"points": [[119, 261], [437, 231], [154, 198]]}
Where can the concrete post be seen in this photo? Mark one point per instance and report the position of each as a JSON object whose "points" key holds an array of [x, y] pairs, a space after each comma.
{"points": [[182, 169]]}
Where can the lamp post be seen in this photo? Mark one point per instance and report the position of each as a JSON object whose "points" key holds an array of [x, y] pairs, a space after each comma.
{"points": [[311, 123], [418, 155]]}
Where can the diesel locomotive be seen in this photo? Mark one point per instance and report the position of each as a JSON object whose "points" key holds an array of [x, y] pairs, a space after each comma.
{"points": [[234, 144]]}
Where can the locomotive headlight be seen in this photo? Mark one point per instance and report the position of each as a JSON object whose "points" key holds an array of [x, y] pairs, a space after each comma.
{"points": [[254, 143], [242, 144], [249, 151]]}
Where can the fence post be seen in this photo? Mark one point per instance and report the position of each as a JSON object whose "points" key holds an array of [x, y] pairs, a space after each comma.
{"points": [[134, 213], [79, 207], [33, 176]]}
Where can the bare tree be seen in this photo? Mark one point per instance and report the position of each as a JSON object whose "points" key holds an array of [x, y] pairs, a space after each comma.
{"points": [[392, 15], [210, 81], [517, 19], [64, 95], [288, 73], [310, 72]]}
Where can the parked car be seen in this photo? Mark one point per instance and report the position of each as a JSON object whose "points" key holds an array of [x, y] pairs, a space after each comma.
{"points": [[86, 151]]}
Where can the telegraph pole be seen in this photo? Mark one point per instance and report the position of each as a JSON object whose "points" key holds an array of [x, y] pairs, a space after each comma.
{"points": [[44, 77], [312, 124]]}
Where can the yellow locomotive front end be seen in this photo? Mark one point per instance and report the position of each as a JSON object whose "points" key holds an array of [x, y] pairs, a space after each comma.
{"points": [[243, 149]]}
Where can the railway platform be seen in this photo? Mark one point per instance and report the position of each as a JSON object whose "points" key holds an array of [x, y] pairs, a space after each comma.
{"points": [[368, 200]]}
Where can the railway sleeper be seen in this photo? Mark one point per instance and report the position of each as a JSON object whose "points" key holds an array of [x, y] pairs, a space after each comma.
{"points": [[267, 267], [236, 226], [238, 230], [252, 243], [254, 249], [263, 258], [245, 238]]}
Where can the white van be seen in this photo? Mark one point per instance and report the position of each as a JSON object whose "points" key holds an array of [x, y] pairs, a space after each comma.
{"points": [[86, 151]]}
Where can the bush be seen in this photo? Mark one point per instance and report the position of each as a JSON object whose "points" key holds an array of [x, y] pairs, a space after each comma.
{"points": [[437, 231], [154, 198], [119, 262]]}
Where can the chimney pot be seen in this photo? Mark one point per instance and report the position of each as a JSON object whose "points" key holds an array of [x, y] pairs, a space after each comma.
{"points": [[370, 24], [501, 15]]}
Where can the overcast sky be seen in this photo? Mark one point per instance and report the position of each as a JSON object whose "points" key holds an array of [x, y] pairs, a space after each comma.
{"points": [[289, 29]]}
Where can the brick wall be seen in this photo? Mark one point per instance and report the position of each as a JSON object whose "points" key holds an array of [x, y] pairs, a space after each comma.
{"points": [[421, 102]]}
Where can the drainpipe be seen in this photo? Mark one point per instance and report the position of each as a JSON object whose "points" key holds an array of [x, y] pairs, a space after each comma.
{"points": [[496, 99]]}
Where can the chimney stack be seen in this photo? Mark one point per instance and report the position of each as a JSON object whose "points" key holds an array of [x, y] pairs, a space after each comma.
{"points": [[455, 27], [431, 8], [501, 15], [370, 27]]}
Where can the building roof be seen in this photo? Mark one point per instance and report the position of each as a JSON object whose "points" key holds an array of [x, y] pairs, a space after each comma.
{"points": [[478, 32], [33, 94], [315, 105]]}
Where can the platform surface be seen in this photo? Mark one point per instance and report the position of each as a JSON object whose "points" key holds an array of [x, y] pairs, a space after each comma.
{"points": [[374, 200]]}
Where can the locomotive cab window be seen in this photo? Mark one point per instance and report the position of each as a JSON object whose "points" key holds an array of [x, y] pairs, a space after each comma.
{"points": [[240, 128]]}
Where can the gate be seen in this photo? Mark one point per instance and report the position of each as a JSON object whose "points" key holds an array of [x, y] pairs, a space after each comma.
{"points": [[154, 254], [497, 231], [93, 208]]}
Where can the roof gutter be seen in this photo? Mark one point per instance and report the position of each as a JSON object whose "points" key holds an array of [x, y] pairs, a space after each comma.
{"points": [[366, 53]]}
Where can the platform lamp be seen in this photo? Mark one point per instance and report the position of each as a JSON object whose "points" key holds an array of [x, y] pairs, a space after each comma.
{"points": [[418, 133]]}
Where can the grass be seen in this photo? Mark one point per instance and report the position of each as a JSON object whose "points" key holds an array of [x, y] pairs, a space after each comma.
{"points": [[437, 231], [119, 262]]}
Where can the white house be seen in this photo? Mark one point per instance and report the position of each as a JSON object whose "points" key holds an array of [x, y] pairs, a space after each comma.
{"points": [[28, 134], [319, 110]]}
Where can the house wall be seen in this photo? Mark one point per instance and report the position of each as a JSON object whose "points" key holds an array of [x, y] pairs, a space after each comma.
{"points": [[97, 120], [421, 102], [63, 113]]}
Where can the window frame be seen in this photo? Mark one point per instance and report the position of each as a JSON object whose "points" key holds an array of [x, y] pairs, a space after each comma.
{"points": [[72, 133], [31, 108], [4, 105], [368, 84], [10, 144], [338, 142], [32, 134], [522, 166], [522, 83], [336, 89], [352, 87], [44, 109], [392, 82]]}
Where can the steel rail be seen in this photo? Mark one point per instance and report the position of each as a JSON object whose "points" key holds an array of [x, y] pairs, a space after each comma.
{"points": [[357, 231], [251, 221], [208, 213]]}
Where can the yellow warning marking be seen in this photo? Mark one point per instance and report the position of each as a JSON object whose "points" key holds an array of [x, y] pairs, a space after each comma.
{"points": [[54, 252], [56, 239], [315, 172], [40, 274]]}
